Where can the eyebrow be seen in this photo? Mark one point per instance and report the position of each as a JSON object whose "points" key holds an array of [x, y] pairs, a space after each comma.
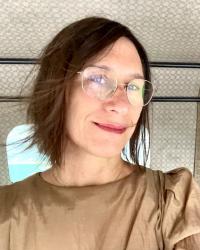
{"points": [[134, 75]]}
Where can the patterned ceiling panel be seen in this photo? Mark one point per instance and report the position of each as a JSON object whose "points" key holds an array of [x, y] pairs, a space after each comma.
{"points": [[168, 29], [173, 135]]}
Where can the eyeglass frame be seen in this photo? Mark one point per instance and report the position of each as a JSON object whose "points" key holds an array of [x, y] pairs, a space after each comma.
{"points": [[117, 85]]}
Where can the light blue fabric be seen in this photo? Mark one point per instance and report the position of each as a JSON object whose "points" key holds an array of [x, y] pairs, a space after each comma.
{"points": [[23, 164]]}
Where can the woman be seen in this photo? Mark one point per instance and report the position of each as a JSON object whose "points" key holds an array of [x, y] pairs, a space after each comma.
{"points": [[89, 99]]}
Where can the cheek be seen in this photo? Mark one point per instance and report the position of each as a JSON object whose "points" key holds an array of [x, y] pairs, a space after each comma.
{"points": [[79, 109], [135, 114]]}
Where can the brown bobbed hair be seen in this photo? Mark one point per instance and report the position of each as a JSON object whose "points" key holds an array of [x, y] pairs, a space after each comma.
{"points": [[59, 62]]}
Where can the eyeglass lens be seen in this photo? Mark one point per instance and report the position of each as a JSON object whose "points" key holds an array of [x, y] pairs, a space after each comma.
{"points": [[101, 83]]}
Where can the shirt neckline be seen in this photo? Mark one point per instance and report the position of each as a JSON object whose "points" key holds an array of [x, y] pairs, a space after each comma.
{"points": [[116, 182]]}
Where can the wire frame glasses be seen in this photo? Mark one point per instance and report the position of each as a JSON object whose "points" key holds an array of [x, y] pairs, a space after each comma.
{"points": [[102, 84]]}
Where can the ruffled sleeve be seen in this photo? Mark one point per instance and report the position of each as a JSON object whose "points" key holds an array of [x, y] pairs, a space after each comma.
{"points": [[181, 211]]}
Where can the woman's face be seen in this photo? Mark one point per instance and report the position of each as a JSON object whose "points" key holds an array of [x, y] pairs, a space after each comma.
{"points": [[85, 112]]}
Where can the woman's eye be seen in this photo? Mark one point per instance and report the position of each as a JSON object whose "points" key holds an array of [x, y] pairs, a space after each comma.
{"points": [[133, 87], [98, 79]]}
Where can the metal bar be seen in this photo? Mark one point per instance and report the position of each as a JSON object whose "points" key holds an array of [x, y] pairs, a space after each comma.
{"points": [[18, 60], [155, 99], [175, 65], [12, 99], [152, 64], [175, 99]]}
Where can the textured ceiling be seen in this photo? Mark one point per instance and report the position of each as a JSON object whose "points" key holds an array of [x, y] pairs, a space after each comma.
{"points": [[168, 29]]}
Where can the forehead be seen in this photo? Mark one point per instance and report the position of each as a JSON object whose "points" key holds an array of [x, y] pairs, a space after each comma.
{"points": [[122, 57]]}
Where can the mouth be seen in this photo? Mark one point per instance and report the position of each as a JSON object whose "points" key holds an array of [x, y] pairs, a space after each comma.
{"points": [[117, 129]]}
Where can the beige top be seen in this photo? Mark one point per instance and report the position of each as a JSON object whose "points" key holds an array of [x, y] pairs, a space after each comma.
{"points": [[146, 210]]}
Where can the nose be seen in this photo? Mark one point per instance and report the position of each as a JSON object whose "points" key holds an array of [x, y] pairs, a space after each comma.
{"points": [[118, 102]]}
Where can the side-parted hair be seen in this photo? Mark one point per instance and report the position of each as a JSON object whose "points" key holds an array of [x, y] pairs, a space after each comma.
{"points": [[59, 62]]}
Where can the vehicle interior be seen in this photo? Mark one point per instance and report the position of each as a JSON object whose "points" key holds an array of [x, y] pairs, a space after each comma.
{"points": [[170, 33]]}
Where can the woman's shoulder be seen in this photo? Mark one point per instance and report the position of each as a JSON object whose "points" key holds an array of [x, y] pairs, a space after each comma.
{"points": [[27, 181], [180, 209], [178, 180], [13, 197], [178, 183], [176, 187], [9, 193]]}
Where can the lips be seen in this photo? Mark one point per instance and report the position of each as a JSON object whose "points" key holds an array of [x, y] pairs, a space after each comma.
{"points": [[114, 128]]}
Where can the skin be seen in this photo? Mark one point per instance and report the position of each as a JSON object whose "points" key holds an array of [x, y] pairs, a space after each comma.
{"points": [[93, 156]]}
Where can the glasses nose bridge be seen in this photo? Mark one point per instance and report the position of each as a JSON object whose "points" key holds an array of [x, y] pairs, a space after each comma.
{"points": [[121, 88]]}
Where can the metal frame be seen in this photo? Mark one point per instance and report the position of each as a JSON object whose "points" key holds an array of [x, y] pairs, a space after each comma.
{"points": [[152, 64]]}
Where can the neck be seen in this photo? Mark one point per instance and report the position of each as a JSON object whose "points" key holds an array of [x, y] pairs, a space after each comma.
{"points": [[82, 169]]}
